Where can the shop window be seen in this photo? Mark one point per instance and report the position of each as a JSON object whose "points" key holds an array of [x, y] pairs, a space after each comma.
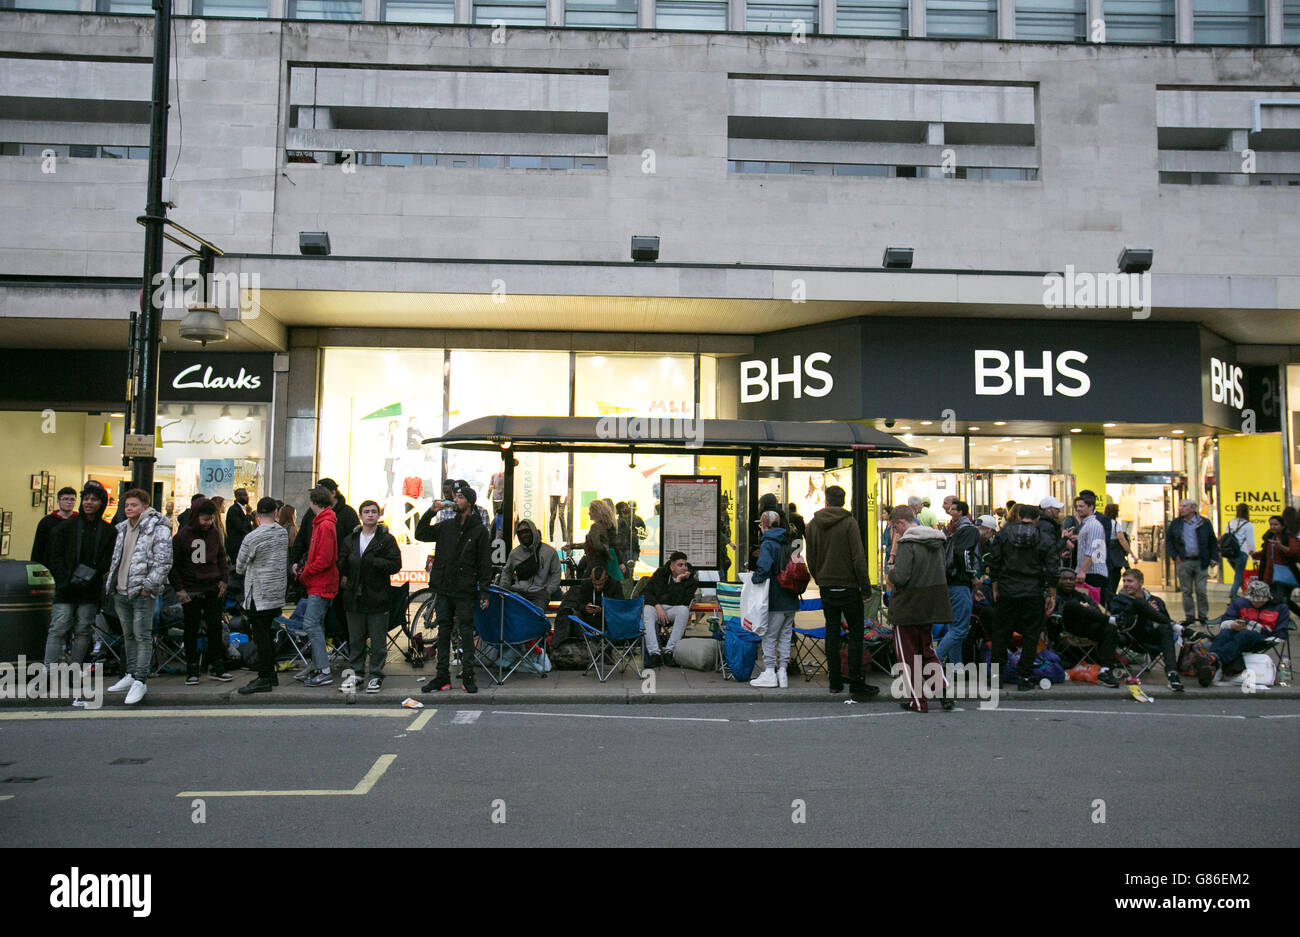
{"points": [[635, 385], [1008, 453], [376, 405], [946, 452], [488, 383], [1141, 455], [615, 477]]}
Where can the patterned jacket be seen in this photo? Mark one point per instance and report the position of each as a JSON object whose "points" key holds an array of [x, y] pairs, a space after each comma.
{"points": [[262, 561], [150, 562]]}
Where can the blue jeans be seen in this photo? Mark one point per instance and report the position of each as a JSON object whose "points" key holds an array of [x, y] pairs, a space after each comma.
{"points": [[314, 624], [136, 615], [1229, 645], [61, 622], [1238, 571], [949, 648]]}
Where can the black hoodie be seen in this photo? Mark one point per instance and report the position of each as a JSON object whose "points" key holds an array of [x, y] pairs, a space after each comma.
{"points": [[62, 555]]}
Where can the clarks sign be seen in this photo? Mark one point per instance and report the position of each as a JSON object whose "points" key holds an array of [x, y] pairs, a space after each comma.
{"points": [[216, 377]]}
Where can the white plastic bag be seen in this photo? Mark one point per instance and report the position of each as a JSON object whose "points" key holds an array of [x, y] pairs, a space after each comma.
{"points": [[753, 605]]}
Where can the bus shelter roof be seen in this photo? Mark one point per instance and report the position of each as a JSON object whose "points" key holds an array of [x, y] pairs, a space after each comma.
{"points": [[671, 436]]}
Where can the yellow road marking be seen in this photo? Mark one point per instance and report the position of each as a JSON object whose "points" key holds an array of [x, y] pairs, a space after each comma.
{"points": [[233, 711], [421, 720], [374, 774]]}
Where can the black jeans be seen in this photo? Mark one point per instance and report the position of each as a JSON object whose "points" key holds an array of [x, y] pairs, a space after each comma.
{"points": [[1093, 624], [204, 607], [1158, 633], [455, 611], [845, 604], [260, 622], [1025, 614]]}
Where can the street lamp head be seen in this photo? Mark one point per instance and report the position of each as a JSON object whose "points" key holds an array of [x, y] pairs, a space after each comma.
{"points": [[203, 324]]}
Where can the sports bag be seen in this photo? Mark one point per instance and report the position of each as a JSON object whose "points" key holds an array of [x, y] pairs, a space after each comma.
{"points": [[794, 573], [1229, 546], [740, 650]]}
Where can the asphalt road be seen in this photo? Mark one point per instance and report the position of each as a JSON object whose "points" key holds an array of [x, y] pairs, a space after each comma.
{"points": [[1035, 774]]}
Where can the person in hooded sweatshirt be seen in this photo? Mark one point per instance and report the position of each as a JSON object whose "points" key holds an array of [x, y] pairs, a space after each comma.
{"points": [[838, 563], [200, 571], [781, 603], [533, 568], [918, 601], [320, 577], [78, 555]]}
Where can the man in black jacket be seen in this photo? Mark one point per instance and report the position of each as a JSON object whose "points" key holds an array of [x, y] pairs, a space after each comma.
{"points": [[78, 555], [461, 573], [1083, 618], [199, 573], [238, 524], [583, 601], [369, 556], [668, 597], [1024, 569], [47, 524]]}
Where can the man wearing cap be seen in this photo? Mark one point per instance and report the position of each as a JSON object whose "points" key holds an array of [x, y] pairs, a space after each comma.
{"points": [[78, 555], [1252, 622], [1049, 522], [459, 575]]}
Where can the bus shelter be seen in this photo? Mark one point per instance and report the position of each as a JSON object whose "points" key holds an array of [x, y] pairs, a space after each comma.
{"points": [[748, 440]]}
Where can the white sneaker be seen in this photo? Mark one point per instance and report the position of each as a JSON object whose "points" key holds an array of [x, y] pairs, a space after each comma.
{"points": [[138, 690], [122, 685], [782, 680], [766, 679], [79, 703]]}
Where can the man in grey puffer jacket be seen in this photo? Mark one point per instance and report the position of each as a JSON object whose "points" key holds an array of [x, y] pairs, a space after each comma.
{"points": [[142, 560]]}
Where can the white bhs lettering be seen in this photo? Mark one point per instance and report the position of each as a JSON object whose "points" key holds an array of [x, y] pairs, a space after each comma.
{"points": [[755, 384], [994, 373], [1225, 383]]}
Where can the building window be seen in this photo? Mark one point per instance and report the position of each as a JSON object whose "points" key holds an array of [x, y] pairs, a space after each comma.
{"points": [[251, 8], [781, 17], [419, 11], [1228, 22], [325, 9], [517, 13], [1291, 21], [691, 14], [124, 6], [609, 14], [871, 18], [65, 5], [1051, 20], [1139, 20], [961, 19]]}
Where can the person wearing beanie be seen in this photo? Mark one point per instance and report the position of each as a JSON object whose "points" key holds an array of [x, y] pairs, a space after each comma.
{"points": [[78, 555], [459, 575], [199, 575], [1253, 621], [445, 509]]}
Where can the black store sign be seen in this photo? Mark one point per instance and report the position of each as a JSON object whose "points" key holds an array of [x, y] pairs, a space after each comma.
{"points": [[994, 369], [224, 378]]}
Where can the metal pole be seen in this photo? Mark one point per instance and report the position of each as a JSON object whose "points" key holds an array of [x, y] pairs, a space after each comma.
{"points": [[508, 496], [145, 353]]}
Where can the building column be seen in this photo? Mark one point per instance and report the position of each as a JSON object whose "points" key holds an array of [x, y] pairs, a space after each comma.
{"points": [[1273, 22], [645, 14], [370, 11], [554, 12], [297, 468], [826, 12], [934, 137], [916, 19], [464, 12], [1086, 460], [736, 15], [1183, 30], [1094, 12], [1006, 19], [1238, 140], [277, 9]]}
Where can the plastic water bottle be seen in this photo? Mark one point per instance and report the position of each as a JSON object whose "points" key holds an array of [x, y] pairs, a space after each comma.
{"points": [[1284, 671]]}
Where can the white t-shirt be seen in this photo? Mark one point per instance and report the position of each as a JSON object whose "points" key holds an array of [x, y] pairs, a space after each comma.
{"points": [[1244, 531], [365, 541]]}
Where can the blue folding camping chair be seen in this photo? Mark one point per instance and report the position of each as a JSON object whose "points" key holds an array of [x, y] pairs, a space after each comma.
{"points": [[511, 634], [612, 646], [810, 643]]}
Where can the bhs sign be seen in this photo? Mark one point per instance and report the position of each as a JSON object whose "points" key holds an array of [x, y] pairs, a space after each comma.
{"points": [[760, 382]]}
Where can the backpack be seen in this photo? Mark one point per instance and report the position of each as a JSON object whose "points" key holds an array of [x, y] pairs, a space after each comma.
{"points": [[1229, 546], [966, 566], [794, 573]]}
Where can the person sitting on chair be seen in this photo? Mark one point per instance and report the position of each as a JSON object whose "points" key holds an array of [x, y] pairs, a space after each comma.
{"points": [[1148, 618], [1253, 622], [583, 601], [668, 597], [533, 568], [1084, 618]]}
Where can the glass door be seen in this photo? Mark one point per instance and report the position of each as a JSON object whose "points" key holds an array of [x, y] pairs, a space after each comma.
{"points": [[1147, 504]]}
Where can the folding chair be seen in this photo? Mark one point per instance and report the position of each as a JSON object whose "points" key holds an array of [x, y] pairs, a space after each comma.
{"points": [[622, 634], [811, 654], [106, 644], [729, 605], [877, 636], [511, 634], [168, 644], [401, 623], [289, 631]]}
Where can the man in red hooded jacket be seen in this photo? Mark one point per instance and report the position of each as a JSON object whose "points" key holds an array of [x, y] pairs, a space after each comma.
{"points": [[320, 577]]}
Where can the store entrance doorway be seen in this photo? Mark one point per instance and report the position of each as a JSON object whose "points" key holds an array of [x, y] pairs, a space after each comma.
{"points": [[1147, 503]]}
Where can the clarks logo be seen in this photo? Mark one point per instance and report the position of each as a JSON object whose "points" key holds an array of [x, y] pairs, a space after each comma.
{"points": [[76, 890], [244, 381]]}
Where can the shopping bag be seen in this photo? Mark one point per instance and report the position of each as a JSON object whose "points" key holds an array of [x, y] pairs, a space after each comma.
{"points": [[753, 606]]}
